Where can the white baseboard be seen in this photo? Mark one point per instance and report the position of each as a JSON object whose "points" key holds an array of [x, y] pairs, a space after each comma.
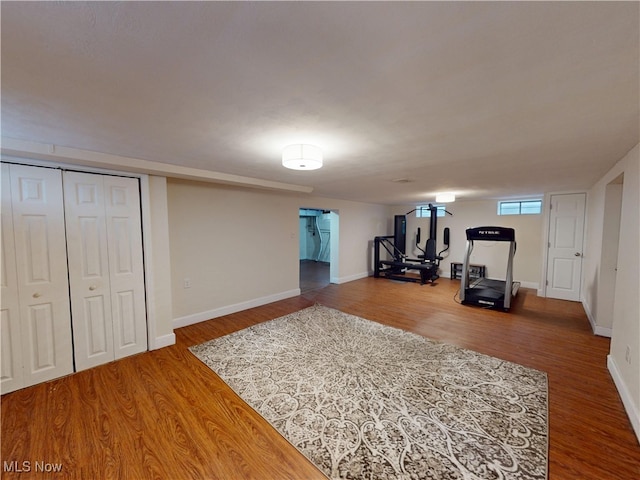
{"points": [[350, 278], [603, 331], [238, 307], [592, 320], [597, 330], [625, 395], [163, 341]]}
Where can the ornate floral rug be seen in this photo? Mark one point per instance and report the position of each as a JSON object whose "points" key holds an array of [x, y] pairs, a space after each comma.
{"points": [[365, 401]]}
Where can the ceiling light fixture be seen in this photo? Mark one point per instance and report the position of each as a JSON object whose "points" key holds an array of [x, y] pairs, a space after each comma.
{"points": [[445, 197], [302, 157]]}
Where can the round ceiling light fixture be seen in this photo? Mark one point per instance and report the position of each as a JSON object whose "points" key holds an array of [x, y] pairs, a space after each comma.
{"points": [[302, 157], [445, 197]]}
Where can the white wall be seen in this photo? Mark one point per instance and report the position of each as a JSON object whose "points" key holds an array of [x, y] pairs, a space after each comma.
{"points": [[235, 245], [239, 247], [604, 299], [468, 214], [158, 268], [625, 324]]}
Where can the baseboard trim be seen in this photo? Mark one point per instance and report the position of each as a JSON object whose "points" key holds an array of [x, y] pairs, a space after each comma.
{"points": [[597, 330], [229, 309], [623, 391], [603, 332], [592, 320], [350, 278], [163, 341]]}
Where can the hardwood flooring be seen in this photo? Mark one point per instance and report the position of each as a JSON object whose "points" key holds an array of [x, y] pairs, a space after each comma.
{"points": [[165, 415]]}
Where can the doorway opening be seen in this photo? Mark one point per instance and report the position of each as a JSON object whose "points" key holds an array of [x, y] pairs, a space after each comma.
{"points": [[318, 231]]}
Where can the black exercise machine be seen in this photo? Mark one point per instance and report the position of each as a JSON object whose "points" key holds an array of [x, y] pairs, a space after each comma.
{"points": [[485, 292], [427, 264]]}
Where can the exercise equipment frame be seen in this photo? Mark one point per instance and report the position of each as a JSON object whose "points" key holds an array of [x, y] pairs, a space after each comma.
{"points": [[485, 292], [426, 265]]}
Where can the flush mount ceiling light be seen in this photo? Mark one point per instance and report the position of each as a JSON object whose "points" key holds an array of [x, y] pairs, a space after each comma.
{"points": [[302, 157], [445, 197]]}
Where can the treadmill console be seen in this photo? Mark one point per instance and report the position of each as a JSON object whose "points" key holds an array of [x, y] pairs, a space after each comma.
{"points": [[500, 234]]}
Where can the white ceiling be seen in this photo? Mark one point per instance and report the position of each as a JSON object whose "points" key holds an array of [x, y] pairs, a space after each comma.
{"points": [[488, 100]]}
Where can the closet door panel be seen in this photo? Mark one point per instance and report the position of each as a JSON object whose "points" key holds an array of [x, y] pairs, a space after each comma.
{"points": [[11, 377], [126, 266], [41, 338], [11, 362], [38, 220], [88, 269]]}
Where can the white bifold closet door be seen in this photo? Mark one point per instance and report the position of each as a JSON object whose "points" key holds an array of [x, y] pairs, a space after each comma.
{"points": [[106, 273], [35, 318]]}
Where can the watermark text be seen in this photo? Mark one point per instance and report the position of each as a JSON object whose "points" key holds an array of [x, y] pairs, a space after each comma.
{"points": [[27, 466]]}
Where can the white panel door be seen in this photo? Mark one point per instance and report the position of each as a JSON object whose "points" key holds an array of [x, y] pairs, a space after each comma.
{"points": [[11, 377], [564, 260], [88, 269], [106, 269], [41, 261], [126, 268]]}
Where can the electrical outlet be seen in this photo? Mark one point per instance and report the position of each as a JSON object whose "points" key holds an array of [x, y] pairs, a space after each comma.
{"points": [[187, 283], [627, 355]]}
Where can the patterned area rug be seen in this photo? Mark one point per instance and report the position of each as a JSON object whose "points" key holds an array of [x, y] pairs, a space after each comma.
{"points": [[365, 401]]}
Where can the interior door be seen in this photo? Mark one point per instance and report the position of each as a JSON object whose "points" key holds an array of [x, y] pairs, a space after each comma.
{"points": [[106, 269], [11, 377], [39, 235], [88, 269], [564, 259], [126, 267]]}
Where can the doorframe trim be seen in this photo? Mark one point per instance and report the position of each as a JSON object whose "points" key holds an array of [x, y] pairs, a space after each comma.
{"points": [[334, 244], [542, 289]]}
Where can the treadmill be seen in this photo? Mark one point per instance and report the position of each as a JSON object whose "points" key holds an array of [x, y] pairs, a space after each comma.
{"points": [[485, 292]]}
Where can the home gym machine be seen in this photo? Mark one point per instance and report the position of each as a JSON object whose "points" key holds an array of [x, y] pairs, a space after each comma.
{"points": [[485, 292], [396, 268]]}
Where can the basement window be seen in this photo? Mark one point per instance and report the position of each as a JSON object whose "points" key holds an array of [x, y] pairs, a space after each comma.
{"points": [[422, 211], [520, 207]]}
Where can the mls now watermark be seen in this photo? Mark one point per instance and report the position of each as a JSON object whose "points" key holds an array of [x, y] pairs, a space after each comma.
{"points": [[29, 466]]}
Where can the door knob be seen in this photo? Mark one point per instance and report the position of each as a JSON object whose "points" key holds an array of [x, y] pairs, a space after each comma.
{"points": [[577, 254], [92, 287], [36, 295]]}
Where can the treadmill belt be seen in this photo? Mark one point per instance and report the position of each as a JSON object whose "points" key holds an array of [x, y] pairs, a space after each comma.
{"points": [[487, 283]]}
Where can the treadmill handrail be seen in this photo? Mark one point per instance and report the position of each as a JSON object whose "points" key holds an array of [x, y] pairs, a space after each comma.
{"points": [[499, 234]]}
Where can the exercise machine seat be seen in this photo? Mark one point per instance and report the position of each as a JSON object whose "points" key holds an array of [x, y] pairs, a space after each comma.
{"points": [[430, 255]]}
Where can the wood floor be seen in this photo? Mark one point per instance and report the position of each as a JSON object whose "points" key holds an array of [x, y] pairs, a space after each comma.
{"points": [[164, 415]]}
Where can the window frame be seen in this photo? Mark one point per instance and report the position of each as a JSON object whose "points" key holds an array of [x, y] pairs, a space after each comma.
{"points": [[519, 202]]}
